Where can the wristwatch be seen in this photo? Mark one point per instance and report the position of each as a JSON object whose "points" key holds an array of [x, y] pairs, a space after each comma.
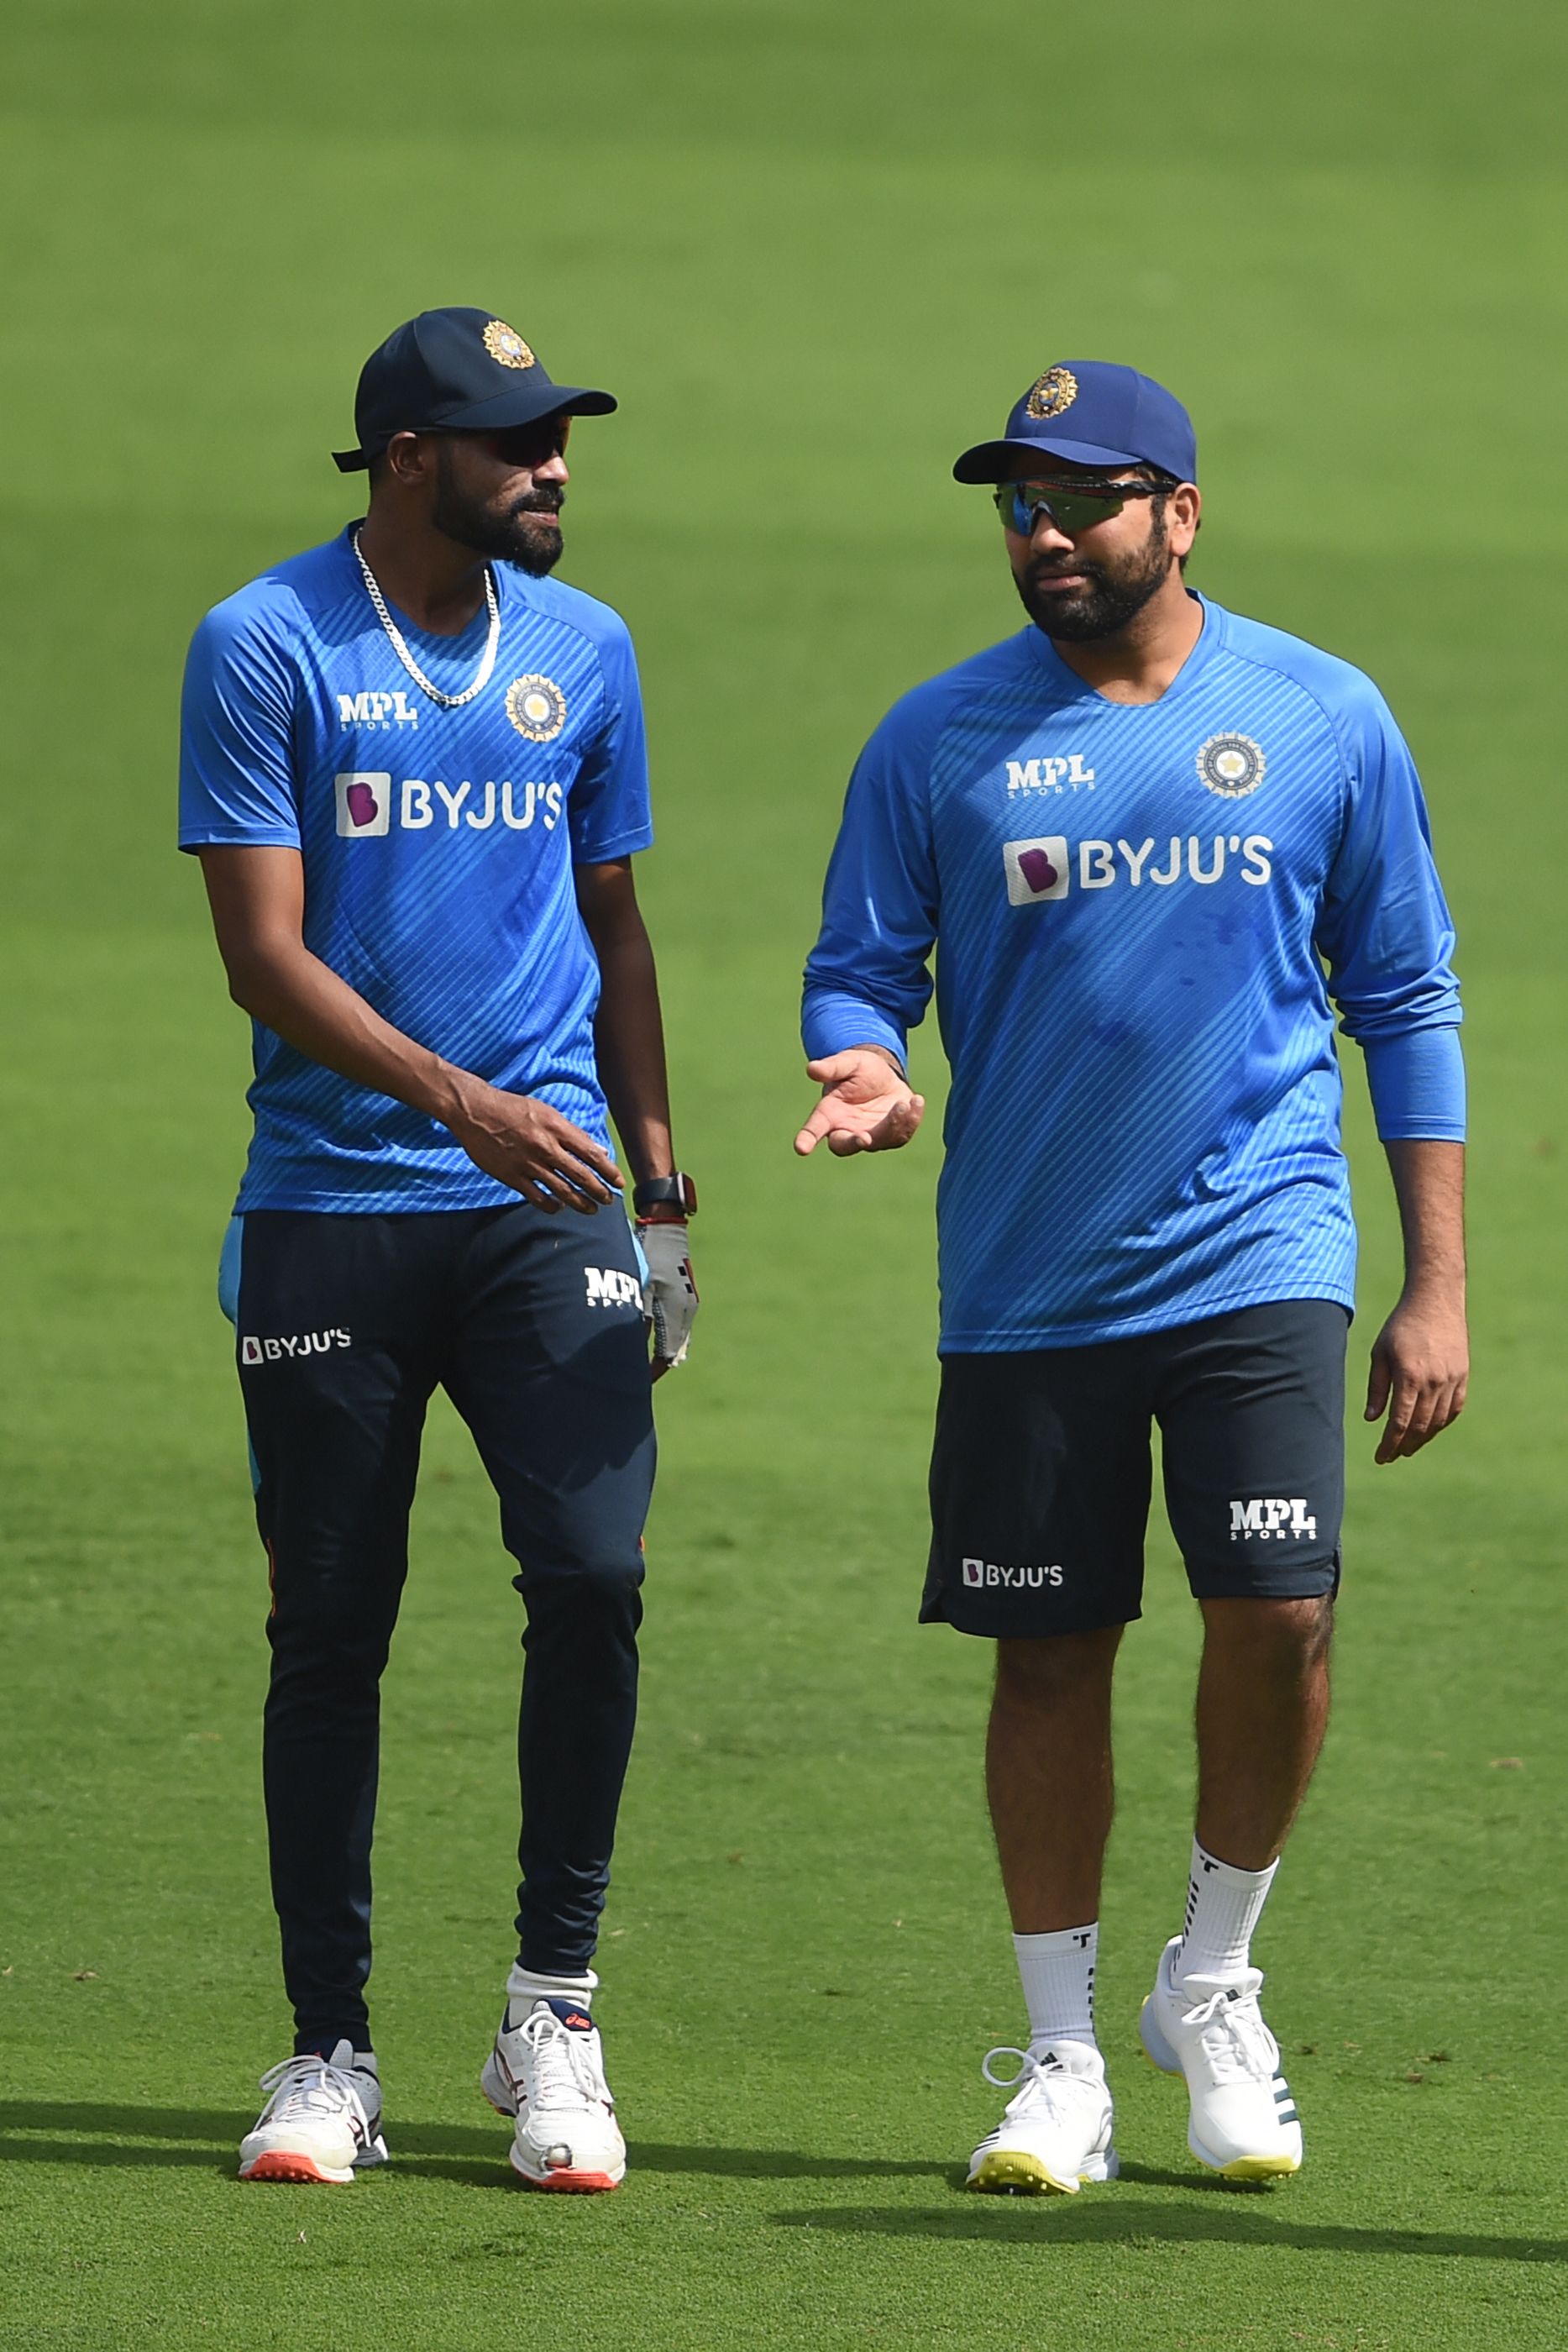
{"points": [[677, 1193]]}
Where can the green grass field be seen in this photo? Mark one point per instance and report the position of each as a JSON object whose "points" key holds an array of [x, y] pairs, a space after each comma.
{"points": [[816, 249]]}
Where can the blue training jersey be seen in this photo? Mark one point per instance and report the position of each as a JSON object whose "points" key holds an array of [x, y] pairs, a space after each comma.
{"points": [[1141, 913], [438, 849]]}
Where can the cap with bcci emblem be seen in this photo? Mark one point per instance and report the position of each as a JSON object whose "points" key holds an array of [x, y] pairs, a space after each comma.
{"points": [[1093, 413], [455, 372]]}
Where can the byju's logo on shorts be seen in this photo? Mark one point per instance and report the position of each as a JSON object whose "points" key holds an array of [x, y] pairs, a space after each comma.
{"points": [[609, 1286], [1036, 869], [301, 1343], [377, 709], [1014, 1580], [1271, 1519], [364, 803]]}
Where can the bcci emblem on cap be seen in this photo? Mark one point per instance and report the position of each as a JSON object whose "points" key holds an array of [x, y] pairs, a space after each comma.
{"points": [[1232, 766], [1056, 390], [506, 346], [536, 707]]}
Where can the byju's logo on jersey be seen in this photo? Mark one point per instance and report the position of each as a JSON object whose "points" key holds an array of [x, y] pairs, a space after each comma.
{"points": [[1272, 1517], [364, 803], [1036, 869], [393, 709], [1232, 766], [1041, 869]]}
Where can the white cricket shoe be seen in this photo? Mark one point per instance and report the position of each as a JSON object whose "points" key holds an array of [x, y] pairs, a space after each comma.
{"points": [[1056, 2130], [322, 2121], [549, 2073], [1243, 2122]]}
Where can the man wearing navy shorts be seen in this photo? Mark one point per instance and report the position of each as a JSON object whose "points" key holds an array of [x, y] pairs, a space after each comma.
{"points": [[413, 768], [1145, 1214]]}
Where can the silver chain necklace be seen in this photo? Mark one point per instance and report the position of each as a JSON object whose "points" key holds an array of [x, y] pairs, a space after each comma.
{"points": [[400, 643]]}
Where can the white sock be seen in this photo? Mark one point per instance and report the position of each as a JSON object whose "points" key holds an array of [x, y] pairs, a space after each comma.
{"points": [[1058, 1974], [1222, 1908], [524, 1987]]}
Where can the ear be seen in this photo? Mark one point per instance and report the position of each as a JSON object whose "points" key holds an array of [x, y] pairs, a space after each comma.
{"points": [[1182, 513], [410, 458]]}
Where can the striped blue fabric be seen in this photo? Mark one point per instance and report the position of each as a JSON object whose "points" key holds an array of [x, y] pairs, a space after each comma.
{"points": [[438, 849], [1140, 914]]}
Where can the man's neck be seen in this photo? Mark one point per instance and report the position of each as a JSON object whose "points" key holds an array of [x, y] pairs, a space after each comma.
{"points": [[1138, 663], [438, 584]]}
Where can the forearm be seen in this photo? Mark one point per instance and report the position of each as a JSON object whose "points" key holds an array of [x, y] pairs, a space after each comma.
{"points": [[1429, 1186], [629, 1037], [303, 1002]]}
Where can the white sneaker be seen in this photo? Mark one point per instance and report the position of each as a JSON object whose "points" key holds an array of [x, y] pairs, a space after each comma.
{"points": [[322, 2122], [1056, 2131], [1244, 2122], [549, 2073]]}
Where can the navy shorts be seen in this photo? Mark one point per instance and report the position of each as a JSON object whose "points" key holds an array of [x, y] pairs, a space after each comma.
{"points": [[1041, 1470]]}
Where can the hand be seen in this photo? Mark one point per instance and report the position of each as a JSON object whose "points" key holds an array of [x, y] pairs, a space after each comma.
{"points": [[867, 1105], [670, 1299], [525, 1143], [1420, 1368]]}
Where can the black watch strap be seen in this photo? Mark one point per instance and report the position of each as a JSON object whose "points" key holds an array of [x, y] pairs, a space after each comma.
{"points": [[675, 1191]]}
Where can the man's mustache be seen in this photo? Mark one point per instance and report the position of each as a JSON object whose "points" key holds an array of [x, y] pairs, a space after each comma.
{"points": [[546, 502]]}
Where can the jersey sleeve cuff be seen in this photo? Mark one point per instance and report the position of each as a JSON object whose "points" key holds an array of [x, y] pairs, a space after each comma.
{"points": [[211, 836], [832, 1022], [1418, 1085], [619, 845]]}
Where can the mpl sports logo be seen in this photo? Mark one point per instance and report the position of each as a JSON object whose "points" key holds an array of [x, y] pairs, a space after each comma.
{"points": [[611, 1285], [995, 1577], [299, 1343], [368, 805], [1272, 1517], [1044, 867], [368, 710]]}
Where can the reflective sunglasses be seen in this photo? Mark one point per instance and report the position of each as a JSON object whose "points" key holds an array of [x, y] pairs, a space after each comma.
{"points": [[1073, 507]]}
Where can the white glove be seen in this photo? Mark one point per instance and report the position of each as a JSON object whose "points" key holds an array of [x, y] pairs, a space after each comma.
{"points": [[670, 1295]]}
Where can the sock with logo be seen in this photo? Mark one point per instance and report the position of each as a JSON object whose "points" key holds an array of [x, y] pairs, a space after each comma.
{"points": [[1223, 1904], [1057, 1975], [525, 1986]]}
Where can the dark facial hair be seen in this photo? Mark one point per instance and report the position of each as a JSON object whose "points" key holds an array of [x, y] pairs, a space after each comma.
{"points": [[526, 533], [1111, 595]]}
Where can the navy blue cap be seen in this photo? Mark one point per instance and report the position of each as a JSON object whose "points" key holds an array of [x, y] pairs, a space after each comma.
{"points": [[455, 372], [1095, 414]]}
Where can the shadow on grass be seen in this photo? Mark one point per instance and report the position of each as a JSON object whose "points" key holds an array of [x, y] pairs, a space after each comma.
{"points": [[1111, 2217], [474, 2155]]}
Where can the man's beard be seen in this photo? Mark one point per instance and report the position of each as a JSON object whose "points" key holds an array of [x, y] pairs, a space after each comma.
{"points": [[527, 534], [1111, 594]]}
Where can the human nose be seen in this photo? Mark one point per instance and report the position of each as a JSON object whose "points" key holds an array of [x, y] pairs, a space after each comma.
{"points": [[553, 469]]}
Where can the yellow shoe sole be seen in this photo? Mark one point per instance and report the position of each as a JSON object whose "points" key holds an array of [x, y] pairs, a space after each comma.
{"points": [[1012, 2172], [1256, 2167]]}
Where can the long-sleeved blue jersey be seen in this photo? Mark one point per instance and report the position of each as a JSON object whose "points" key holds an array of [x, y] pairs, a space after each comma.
{"points": [[1141, 913]]}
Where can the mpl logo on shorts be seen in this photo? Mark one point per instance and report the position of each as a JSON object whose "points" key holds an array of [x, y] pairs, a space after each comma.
{"points": [[1271, 1519], [1010, 1580], [609, 1285], [300, 1343]]}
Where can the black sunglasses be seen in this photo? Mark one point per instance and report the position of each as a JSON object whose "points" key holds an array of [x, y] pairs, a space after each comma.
{"points": [[1072, 506]]}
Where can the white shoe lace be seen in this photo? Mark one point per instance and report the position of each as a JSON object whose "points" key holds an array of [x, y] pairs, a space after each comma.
{"points": [[1237, 2044], [1037, 2081], [563, 2069], [307, 2089]]}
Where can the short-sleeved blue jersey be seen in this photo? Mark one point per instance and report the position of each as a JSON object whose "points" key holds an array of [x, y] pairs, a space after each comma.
{"points": [[438, 849], [1141, 913]]}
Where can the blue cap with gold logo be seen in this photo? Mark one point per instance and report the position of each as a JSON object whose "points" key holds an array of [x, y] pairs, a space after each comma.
{"points": [[455, 372], [1091, 413]]}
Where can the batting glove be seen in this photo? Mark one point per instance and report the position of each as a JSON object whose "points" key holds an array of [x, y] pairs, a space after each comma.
{"points": [[670, 1295]]}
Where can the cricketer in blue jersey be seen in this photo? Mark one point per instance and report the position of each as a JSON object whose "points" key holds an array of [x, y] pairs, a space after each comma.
{"points": [[1155, 846], [414, 768]]}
